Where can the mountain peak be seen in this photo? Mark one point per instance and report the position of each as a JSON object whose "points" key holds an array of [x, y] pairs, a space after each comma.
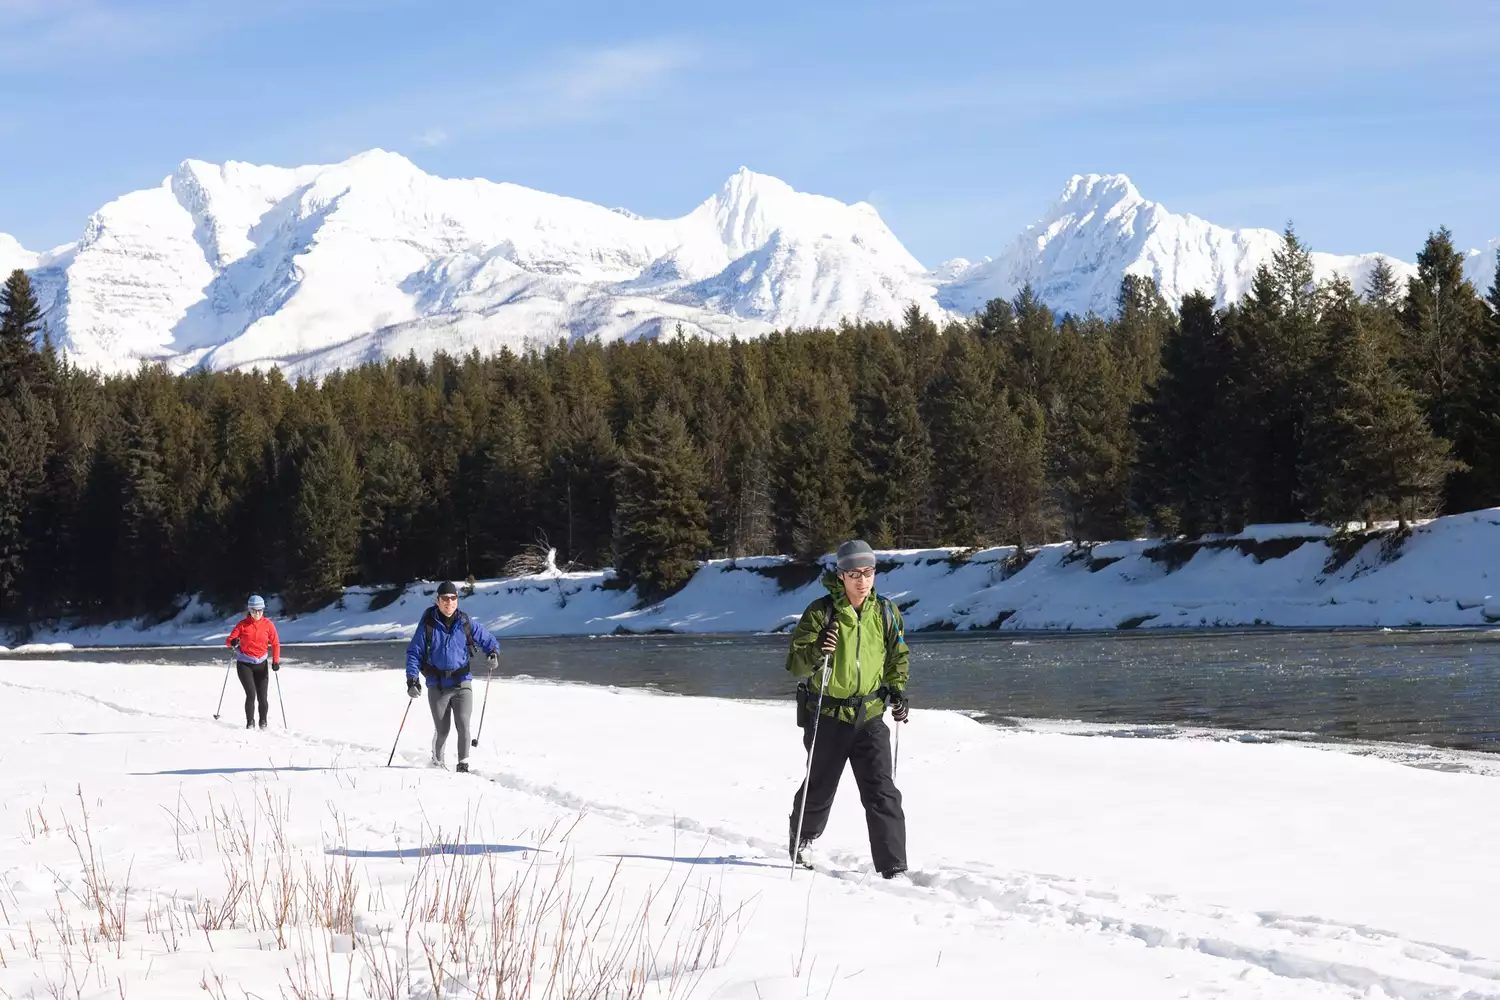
{"points": [[1097, 191], [14, 255]]}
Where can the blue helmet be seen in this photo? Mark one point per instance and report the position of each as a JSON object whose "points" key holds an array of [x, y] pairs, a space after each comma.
{"points": [[256, 603]]}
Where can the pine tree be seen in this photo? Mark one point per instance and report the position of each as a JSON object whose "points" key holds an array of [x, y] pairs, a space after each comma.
{"points": [[1370, 451], [661, 519], [1141, 325], [20, 322], [747, 472], [54, 523], [1025, 362], [813, 466], [1276, 329], [578, 514], [1013, 467], [1482, 404], [325, 525], [391, 499], [23, 456], [1383, 288], [512, 483], [144, 567], [1442, 320], [960, 415], [1091, 442], [1187, 474], [893, 458]]}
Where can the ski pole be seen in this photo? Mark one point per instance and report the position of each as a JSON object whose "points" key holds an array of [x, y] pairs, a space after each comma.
{"points": [[278, 698], [811, 745], [227, 667], [398, 731], [485, 707], [897, 761]]}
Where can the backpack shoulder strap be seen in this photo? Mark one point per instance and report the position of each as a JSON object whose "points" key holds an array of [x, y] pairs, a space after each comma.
{"points": [[427, 641], [893, 634]]}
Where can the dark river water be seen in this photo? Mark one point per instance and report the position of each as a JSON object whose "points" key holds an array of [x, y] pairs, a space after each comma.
{"points": [[1435, 687]]}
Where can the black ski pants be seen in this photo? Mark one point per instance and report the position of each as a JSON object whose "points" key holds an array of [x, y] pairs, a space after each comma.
{"points": [[255, 678], [867, 750]]}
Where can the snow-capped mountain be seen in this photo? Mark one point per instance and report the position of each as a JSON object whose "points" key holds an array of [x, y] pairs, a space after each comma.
{"points": [[322, 267], [1101, 228]]}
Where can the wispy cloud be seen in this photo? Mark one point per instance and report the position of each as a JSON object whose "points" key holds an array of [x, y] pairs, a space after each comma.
{"points": [[573, 86]]}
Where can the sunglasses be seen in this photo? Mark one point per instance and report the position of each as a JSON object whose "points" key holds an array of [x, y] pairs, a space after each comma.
{"points": [[860, 574], [447, 597]]}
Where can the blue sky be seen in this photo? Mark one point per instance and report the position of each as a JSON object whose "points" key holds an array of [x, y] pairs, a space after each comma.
{"points": [[1366, 123]]}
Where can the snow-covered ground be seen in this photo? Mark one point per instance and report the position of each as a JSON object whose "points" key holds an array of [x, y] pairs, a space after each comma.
{"points": [[1044, 864], [1284, 575]]}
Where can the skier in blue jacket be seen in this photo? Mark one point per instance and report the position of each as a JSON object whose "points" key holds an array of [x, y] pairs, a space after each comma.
{"points": [[440, 651]]}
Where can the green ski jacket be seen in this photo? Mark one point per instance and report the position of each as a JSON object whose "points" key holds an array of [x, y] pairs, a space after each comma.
{"points": [[871, 653]]}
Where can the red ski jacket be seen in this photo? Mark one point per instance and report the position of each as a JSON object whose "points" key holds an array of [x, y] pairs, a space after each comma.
{"points": [[255, 637]]}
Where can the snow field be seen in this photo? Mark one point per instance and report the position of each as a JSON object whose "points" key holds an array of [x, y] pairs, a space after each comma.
{"points": [[1044, 865]]}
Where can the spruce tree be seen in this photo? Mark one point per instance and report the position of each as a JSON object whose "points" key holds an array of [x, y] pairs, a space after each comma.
{"points": [[893, 458], [813, 466], [1142, 322], [1382, 288], [1442, 320], [325, 525], [1013, 472], [960, 413], [20, 322], [661, 519], [1482, 404], [578, 514], [1091, 442], [144, 567], [747, 472], [512, 484], [53, 526], [391, 499], [1370, 451], [1187, 474], [23, 459], [1276, 329]]}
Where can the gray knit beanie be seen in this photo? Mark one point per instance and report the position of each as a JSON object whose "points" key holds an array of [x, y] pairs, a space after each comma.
{"points": [[854, 554]]}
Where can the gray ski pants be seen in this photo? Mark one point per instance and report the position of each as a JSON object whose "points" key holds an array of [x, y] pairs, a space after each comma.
{"points": [[455, 704]]}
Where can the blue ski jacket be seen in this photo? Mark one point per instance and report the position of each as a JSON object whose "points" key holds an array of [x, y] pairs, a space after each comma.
{"points": [[446, 663]]}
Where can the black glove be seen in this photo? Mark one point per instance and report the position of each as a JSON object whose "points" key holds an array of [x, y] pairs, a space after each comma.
{"points": [[275, 664], [494, 659], [413, 687], [899, 706], [829, 637], [234, 644]]}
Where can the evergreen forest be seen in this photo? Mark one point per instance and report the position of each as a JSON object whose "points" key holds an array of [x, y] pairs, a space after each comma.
{"points": [[1303, 401]]}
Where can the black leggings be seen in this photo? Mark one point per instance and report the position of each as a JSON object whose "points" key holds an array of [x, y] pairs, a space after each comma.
{"points": [[255, 678]]}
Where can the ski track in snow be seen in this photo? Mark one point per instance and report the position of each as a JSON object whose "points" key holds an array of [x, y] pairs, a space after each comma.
{"points": [[1371, 961]]}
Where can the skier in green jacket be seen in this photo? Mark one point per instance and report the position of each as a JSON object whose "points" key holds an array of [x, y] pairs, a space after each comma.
{"points": [[863, 636]]}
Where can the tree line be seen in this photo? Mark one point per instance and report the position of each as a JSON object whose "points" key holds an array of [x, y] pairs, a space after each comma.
{"points": [[1304, 401]]}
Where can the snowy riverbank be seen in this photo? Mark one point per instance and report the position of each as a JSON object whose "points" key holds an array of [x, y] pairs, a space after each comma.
{"points": [[1044, 865], [1284, 575]]}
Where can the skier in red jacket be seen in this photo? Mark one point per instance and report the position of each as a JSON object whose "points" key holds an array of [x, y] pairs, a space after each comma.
{"points": [[255, 643]]}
